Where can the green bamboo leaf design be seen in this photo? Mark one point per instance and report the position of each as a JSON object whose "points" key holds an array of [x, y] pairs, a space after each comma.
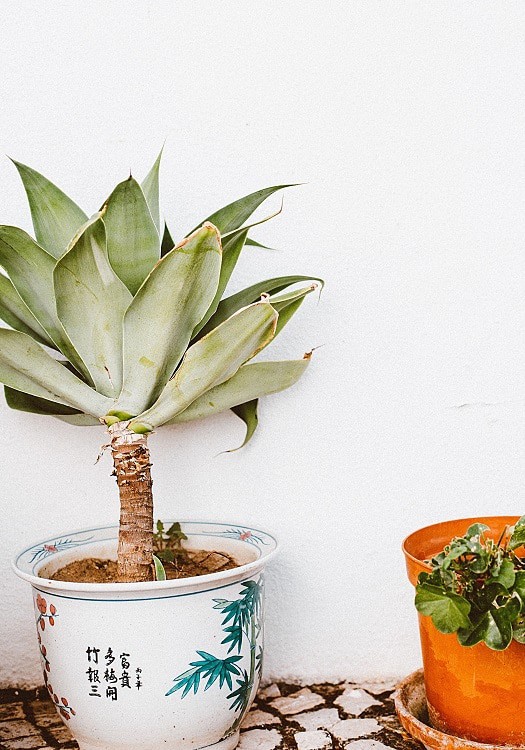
{"points": [[241, 695], [208, 667], [234, 637], [56, 217]]}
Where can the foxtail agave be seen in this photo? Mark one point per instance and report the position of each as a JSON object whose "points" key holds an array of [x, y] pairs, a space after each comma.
{"points": [[112, 323]]}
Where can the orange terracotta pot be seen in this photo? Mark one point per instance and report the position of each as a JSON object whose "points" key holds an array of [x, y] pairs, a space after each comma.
{"points": [[474, 693]]}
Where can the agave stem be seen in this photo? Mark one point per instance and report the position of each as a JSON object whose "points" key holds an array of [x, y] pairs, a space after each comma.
{"points": [[131, 459]]}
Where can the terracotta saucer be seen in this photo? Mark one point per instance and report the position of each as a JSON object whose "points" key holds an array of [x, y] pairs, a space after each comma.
{"points": [[411, 708]]}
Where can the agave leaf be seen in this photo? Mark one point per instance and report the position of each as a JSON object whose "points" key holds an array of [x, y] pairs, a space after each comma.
{"points": [[211, 361], [231, 249], [163, 314], [167, 242], [132, 238], [288, 304], [233, 216], [248, 413], [254, 243], [30, 269], [249, 382], [24, 402], [150, 188], [26, 367], [34, 405], [230, 305], [56, 217], [91, 302], [232, 245], [15, 312], [78, 420]]}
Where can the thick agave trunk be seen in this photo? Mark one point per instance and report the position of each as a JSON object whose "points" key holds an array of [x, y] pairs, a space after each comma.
{"points": [[132, 469]]}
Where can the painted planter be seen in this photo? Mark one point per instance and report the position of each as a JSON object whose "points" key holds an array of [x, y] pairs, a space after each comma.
{"points": [[474, 693], [140, 666]]}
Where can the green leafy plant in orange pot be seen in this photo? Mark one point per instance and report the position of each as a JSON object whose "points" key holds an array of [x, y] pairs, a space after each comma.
{"points": [[470, 596]]}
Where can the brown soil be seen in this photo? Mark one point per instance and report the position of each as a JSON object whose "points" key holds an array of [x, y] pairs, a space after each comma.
{"points": [[189, 563]]}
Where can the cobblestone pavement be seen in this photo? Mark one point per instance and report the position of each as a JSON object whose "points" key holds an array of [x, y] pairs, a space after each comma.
{"points": [[317, 717]]}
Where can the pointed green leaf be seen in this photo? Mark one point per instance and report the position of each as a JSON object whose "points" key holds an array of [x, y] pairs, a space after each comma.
{"points": [[167, 242], [91, 302], [254, 243], [30, 268], [213, 360], [150, 188], [230, 305], [160, 573], [25, 402], [233, 216], [232, 245], [166, 309], [26, 367], [288, 304], [248, 413], [56, 217], [231, 249], [34, 405], [78, 420], [15, 312], [249, 383], [132, 238]]}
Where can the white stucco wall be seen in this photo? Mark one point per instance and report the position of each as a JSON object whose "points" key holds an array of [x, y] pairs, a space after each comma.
{"points": [[406, 120]]}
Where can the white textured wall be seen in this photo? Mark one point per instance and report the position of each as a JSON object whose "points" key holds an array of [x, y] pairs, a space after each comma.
{"points": [[406, 119]]}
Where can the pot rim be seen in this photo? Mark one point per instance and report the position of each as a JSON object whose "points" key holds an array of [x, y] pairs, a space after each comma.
{"points": [[467, 521], [227, 531]]}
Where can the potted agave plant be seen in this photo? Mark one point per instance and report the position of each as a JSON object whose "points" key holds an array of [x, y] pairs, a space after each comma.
{"points": [[470, 595], [149, 636]]}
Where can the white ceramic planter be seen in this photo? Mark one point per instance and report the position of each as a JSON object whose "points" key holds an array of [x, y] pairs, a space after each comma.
{"points": [[172, 664]]}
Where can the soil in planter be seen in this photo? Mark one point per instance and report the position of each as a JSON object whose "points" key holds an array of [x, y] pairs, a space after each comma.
{"points": [[188, 563]]}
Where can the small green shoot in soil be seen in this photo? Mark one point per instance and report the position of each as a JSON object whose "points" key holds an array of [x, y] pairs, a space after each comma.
{"points": [[167, 547]]}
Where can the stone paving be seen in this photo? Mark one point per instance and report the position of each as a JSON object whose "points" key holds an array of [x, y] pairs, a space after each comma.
{"points": [[317, 717]]}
